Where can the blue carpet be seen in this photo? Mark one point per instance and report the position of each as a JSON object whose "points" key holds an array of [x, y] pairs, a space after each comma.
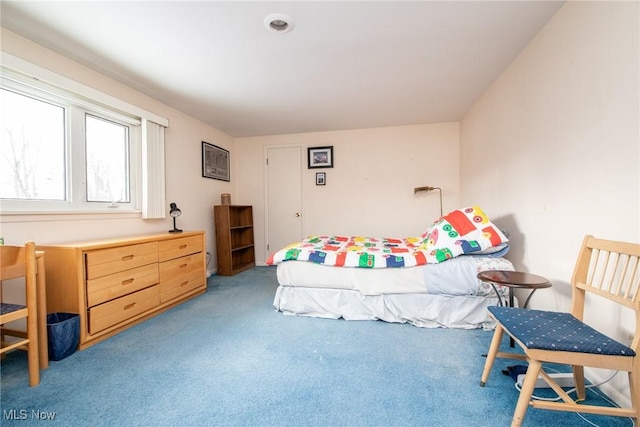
{"points": [[228, 358]]}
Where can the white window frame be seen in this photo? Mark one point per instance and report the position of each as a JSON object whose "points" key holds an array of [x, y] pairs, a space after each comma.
{"points": [[75, 158], [32, 80]]}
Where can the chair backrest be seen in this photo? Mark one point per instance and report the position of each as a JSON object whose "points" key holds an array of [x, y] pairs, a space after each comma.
{"points": [[18, 261], [611, 270]]}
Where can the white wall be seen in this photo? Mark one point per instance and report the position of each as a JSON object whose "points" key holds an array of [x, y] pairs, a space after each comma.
{"points": [[552, 148], [194, 195], [369, 190]]}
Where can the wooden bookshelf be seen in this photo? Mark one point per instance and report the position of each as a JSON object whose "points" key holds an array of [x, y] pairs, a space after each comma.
{"points": [[234, 238]]}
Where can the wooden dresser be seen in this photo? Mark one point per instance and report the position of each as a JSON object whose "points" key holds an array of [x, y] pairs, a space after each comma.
{"points": [[115, 283]]}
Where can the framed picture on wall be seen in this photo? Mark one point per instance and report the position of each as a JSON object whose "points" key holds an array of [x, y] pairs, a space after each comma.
{"points": [[320, 157], [215, 162], [321, 178]]}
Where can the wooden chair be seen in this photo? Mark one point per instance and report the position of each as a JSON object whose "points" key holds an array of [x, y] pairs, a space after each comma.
{"points": [[606, 269], [18, 262]]}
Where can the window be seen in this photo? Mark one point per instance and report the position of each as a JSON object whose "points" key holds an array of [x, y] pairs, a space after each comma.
{"points": [[107, 147], [71, 148], [58, 153], [33, 149]]}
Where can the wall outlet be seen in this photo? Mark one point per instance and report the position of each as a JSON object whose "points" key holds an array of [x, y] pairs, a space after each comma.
{"points": [[564, 380]]}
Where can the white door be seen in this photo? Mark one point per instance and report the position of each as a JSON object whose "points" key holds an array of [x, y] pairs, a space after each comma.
{"points": [[284, 197]]}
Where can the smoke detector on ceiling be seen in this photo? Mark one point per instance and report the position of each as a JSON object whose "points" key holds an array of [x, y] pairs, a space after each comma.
{"points": [[278, 22]]}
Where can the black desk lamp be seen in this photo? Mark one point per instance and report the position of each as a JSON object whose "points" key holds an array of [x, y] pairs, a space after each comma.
{"points": [[174, 212]]}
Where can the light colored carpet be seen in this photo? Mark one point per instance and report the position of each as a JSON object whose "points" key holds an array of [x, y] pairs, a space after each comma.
{"points": [[228, 358]]}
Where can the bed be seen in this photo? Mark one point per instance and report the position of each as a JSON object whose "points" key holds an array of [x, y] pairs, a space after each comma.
{"points": [[428, 280]]}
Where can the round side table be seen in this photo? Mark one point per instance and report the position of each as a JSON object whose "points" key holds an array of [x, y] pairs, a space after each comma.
{"points": [[514, 280]]}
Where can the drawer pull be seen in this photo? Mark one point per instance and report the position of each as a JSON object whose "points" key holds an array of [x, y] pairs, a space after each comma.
{"points": [[185, 283], [127, 307], [127, 258], [127, 282], [183, 246], [183, 265]]}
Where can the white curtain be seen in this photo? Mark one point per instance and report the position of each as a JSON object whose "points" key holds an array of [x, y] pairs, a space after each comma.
{"points": [[153, 176]]}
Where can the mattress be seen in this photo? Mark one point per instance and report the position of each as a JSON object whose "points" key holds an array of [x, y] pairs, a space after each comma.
{"points": [[453, 277]]}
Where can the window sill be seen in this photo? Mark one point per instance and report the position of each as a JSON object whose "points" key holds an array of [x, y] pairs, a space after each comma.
{"points": [[25, 216]]}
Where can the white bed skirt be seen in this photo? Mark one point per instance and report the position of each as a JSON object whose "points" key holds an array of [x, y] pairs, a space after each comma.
{"points": [[422, 310]]}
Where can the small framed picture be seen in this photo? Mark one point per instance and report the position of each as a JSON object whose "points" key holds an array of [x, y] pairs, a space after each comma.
{"points": [[215, 162], [320, 157], [321, 178]]}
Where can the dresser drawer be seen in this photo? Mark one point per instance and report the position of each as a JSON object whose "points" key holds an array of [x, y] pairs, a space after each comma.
{"points": [[111, 313], [181, 275], [176, 248], [109, 287], [181, 266], [180, 285], [108, 261]]}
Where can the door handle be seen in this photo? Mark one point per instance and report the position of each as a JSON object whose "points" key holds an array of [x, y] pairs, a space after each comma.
{"points": [[297, 214]]}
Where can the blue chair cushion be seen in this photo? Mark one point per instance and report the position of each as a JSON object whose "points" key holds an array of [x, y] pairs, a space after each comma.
{"points": [[548, 330], [6, 308]]}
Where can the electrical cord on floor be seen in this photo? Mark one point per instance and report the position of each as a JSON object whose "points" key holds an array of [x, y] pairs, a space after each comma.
{"points": [[206, 267], [553, 399], [587, 387], [602, 396]]}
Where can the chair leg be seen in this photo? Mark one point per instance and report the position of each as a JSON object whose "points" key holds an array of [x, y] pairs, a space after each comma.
{"points": [[491, 355], [34, 363], [578, 376], [33, 356], [533, 370], [634, 389]]}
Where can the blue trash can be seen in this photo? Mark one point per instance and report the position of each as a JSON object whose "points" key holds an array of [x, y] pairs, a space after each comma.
{"points": [[64, 334]]}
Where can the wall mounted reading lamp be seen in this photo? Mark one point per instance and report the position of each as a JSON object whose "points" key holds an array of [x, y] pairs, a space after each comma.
{"points": [[174, 212], [427, 189]]}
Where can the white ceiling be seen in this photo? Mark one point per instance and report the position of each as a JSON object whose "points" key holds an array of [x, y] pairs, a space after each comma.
{"points": [[345, 65]]}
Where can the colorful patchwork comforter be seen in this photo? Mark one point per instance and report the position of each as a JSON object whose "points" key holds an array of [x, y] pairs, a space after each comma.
{"points": [[462, 231]]}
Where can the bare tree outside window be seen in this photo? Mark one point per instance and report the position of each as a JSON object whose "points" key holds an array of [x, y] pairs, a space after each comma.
{"points": [[32, 148], [107, 147]]}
